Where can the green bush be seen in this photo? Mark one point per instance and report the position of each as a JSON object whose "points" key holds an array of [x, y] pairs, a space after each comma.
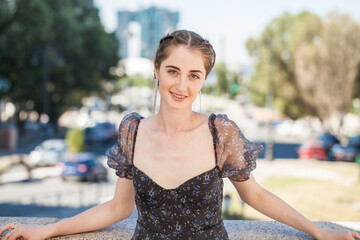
{"points": [[75, 140]]}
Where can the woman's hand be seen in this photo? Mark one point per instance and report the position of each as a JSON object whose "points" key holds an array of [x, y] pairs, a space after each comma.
{"points": [[339, 235], [27, 232]]}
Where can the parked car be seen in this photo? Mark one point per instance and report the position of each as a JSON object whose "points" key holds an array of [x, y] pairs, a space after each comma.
{"points": [[328, 140], [101, 132], [48, 153], [313, 149], [346, 153], [95, 135], [83, 167], [355, 141], [110, 130]]}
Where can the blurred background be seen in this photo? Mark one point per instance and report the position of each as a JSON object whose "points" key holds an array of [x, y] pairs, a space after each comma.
{"points": [[288, 73]]}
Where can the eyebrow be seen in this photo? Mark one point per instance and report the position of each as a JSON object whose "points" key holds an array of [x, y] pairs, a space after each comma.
{"points": [[171, 66]]}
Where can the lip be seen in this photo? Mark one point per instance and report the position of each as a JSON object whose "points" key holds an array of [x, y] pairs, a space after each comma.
{"points": [[183, 97]]}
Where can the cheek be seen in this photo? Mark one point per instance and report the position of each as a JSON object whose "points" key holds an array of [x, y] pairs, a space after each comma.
{"points": [[164, 82], [164, 85], [200, 84], [195, 88]]}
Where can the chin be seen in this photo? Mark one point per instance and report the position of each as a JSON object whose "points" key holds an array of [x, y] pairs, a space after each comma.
{"points": [[178, 106]]}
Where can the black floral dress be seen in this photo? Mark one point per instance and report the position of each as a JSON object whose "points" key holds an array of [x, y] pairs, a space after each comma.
{"points": [[194, 209]]}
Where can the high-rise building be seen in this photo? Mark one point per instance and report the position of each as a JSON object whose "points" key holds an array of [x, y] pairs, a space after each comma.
{"points": [[155, 23]]}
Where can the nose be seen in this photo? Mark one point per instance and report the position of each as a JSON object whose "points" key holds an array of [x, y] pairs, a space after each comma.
{"points": [[181, 84]]}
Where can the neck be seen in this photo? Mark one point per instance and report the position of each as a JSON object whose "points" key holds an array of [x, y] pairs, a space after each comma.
{"points": [[173, 121]]}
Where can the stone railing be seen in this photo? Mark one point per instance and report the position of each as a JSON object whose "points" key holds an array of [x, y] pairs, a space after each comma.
{"points": [[237, 229]]}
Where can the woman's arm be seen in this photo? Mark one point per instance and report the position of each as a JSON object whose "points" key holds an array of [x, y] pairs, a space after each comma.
{"points": [[272, 206], [101, 216]]}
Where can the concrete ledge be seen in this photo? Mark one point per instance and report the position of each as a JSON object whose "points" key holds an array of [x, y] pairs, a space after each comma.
{"points": [[237, 229]]}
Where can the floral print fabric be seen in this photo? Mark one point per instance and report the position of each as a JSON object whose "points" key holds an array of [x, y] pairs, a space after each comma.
{"points": [[194, 209]]}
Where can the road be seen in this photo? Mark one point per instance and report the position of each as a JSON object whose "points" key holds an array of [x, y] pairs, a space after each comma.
{"points": [[46, 194]]}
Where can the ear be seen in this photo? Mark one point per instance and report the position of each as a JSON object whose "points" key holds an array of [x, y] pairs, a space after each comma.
{"points": [[156, 74]]}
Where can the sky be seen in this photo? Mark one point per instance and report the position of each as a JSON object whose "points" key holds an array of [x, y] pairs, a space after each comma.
{"points": [[228, 24]]}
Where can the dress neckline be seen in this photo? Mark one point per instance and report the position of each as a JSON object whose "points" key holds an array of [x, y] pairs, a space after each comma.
{"points": [[182, 184], [213, 133]]}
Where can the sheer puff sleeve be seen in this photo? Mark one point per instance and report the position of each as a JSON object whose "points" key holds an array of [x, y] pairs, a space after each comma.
{"points": [[120, 154], [236, 156]]}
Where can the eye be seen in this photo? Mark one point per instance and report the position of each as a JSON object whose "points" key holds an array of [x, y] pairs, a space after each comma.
{"points": [[194, 76], [172, 72]]}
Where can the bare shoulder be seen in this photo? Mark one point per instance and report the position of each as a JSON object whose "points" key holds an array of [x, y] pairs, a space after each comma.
{"points": [[147, 123], [203, 119]]}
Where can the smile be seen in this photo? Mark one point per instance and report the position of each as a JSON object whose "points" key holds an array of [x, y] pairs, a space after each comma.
{"points": [[178, 97]]}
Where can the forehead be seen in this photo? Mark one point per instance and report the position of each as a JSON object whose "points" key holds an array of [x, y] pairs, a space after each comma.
{"points": [[182, 56]]}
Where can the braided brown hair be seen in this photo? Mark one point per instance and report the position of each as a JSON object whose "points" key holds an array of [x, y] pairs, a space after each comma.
{"points": [[191, 40]]}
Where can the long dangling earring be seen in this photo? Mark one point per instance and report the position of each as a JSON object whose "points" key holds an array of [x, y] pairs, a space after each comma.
{"points": [[200, 101], [155, 95]]}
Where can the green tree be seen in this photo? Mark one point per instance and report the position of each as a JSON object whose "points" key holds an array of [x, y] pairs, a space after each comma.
{"points": [[20, 38], [227, 82], [54, 52], [308, 66], [137, 81], [222, 81], [75, 140], [273, 52], [326, 70], [357, 83]]}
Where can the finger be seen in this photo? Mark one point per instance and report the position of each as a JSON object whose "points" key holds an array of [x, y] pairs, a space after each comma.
{"points": [[11, 225], [15, 235], [356, 235], [7, 235], [2, 230], [7, 227]]}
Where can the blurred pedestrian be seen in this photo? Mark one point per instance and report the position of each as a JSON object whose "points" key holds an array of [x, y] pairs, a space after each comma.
{"points": [[173, 163]]}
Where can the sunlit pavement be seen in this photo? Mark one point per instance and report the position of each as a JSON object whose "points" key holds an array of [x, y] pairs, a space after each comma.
{"points": [[46, 194]]}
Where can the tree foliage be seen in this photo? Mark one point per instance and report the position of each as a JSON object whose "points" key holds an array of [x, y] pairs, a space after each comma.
{"points": [[222, 80], [227, 82], [308, 65], [326, 70], [53, 52], [273, 53], [75, 140]]}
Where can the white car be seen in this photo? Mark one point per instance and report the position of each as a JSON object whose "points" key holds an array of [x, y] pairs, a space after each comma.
{"points": [[48, 153]]}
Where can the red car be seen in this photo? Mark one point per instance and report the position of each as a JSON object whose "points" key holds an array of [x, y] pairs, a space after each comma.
{"points": [[313, 149]]}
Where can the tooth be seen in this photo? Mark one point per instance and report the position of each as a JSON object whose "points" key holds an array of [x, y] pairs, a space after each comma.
{"points": [[178, 96]]}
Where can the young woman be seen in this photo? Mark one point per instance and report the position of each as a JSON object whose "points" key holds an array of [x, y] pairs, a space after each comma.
{"points": [[174, 162]]}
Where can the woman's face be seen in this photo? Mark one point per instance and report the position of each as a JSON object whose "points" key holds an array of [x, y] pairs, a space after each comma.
{"points": [[181, 76]]}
